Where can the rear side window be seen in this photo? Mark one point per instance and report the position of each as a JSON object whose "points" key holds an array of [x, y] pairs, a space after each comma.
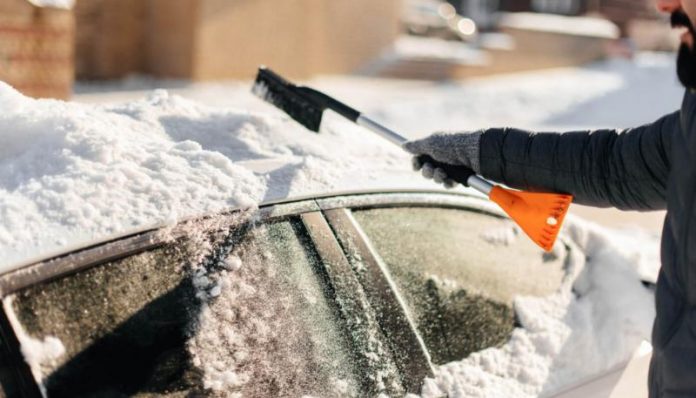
{"points": [[458, 272], [247, 313]]}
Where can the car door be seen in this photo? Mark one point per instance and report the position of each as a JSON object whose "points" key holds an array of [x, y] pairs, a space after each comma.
{"points": [[240, 304], [343, 296]]}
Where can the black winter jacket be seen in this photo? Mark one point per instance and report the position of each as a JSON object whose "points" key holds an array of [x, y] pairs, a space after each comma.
{"points": [[646, 168]]}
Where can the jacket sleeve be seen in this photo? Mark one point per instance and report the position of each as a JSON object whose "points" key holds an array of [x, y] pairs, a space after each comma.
{"points": [[626, 169]]}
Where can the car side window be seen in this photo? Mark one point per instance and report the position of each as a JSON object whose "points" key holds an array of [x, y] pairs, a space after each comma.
{"points": [[458, 272], [251, 314]]}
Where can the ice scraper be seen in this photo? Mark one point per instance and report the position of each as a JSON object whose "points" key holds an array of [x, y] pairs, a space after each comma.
{"points": [[539, 215]]}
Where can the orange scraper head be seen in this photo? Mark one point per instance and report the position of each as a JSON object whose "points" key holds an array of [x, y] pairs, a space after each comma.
{"points": [[540, 215]]}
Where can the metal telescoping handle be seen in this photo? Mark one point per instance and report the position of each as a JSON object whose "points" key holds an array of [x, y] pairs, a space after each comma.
{"points": [[480, 184], [473, 181], [387, 134]]}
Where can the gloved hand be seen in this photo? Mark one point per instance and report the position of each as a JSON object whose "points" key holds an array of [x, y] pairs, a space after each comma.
{"points": [[447, 158]]}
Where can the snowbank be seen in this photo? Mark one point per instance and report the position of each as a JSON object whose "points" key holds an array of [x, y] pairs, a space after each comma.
{"points": [[73, 174], [565, 25], [424, 47], [64, 4]]}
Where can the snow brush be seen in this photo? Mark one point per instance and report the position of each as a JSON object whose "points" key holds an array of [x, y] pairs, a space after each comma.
{"points": [[539, 215]]}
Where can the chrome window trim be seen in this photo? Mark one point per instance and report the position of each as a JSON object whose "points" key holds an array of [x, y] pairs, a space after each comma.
{"points": [[86, 258], [417, 199]]}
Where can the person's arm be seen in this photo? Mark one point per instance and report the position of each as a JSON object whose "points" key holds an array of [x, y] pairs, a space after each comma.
{"points": [[625, 169]]}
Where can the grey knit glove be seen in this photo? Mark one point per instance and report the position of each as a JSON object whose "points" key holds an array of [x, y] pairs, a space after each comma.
{"points": [[458, 153]]}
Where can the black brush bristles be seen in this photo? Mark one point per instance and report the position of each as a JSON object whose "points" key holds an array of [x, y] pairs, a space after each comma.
{"points": [[305, 105], [289, 98]]}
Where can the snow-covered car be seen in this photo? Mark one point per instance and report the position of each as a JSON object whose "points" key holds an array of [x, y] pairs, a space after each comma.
{"points": [[349, 295], [163, 247]]}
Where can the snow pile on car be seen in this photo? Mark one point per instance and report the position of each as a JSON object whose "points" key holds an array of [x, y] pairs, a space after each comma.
{"points": [[74, 174], [592, 324]]}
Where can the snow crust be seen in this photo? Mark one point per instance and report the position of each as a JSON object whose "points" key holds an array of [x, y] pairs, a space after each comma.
{"points": [[503, 236]]}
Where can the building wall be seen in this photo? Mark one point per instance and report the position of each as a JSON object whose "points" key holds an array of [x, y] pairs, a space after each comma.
{"points": [[624, 12], [620, 12], [620, 9], [36, 49], [234, 37], [109, 38], [298, 37], [223, 39], [170, 30]]}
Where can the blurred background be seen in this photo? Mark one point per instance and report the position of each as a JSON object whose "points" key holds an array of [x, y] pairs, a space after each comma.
{"points": [[45, 45]]}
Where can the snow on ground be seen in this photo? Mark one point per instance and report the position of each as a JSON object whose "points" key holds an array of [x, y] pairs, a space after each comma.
{"points": [[615, 93], [579, 26], [64, 4], [72, 173]]}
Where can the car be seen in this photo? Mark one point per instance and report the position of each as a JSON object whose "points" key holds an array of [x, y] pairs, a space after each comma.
{"points": [[343, 294], [434, 18]]}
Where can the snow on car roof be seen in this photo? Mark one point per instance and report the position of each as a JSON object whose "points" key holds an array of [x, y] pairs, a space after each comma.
{"points": [[73, 174]]}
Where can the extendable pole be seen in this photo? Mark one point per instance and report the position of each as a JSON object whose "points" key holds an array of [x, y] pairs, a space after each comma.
{"points": [[540, 215]]}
